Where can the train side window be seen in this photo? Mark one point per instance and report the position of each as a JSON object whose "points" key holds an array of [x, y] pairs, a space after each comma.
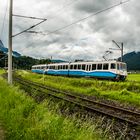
{"points": [[63, 67], [71, 67], [83, 67], [75, 67], [124, 67], [79, 67], [105, 66], [118, 67], [93, 66], [66, 67], [99, 66], [113, 66], [121, 66], [89, 67]]}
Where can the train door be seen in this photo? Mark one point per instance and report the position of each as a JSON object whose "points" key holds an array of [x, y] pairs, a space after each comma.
{"points": [[88, 68]]}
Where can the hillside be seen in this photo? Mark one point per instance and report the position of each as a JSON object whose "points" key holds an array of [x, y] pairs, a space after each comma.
{"points": [[133, 60], [4, 50], [25, 62]]}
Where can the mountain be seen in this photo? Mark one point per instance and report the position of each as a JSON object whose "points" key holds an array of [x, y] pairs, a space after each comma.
{"points": [[57, 61], [5, 50], [133, 60]]}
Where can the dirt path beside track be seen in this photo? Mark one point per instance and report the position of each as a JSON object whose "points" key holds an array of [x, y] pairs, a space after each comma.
{"points": [[2, 137]]}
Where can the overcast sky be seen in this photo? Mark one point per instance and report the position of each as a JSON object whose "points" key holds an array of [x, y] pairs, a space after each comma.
{"points": [[88, 39]]}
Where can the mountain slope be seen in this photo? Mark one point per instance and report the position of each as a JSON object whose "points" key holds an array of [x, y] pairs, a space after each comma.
{"points": [[133, 60], [5, 50]]}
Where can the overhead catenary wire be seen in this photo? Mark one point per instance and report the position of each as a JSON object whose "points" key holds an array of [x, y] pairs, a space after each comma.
{"points": [[82, 19], [94, 14], [4, 17], [21, 16], [3, 57], [29, 28], [61, 9]]}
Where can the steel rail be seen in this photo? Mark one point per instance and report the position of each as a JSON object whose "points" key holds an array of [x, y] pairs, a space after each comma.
{"points": [[89, 104]]}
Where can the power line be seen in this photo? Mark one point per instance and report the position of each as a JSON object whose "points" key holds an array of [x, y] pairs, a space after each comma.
{"points": [[61, 9], [2, 28], [29, 28], [101, 11], [67, 5], [21, 16]]}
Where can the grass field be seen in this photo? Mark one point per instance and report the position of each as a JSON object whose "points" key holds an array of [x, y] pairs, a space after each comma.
{"points": [[23, 119], [125, 92], [1, 71], [134, 77]]}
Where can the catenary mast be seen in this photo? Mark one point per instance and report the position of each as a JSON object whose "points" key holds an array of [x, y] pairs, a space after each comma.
{"points": [[10, 43]]}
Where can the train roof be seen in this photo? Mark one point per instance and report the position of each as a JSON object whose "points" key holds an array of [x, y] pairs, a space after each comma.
{"points": [[87, 62], [39, 65], [81, 62]]}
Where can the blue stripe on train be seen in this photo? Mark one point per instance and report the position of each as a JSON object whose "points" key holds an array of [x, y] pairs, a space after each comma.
{"points": [[38, 71], [100, 74], [55, 72]]}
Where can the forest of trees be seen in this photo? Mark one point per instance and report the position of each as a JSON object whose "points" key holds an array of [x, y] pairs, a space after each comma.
{"points": [[25, 62]]}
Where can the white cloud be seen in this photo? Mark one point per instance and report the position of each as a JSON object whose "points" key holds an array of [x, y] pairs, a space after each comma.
{"points": [[86, 40]]}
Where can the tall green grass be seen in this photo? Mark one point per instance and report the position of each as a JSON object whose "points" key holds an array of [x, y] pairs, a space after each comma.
{"points": [[134, 77], [125, 92], [2, 71], [24, 119]]}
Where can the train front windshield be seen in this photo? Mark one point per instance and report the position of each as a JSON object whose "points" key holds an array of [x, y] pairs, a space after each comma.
{"points": [[121, 66]]}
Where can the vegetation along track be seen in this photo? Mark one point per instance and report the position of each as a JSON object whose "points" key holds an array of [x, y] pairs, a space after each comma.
{"points": [[122, 114]]}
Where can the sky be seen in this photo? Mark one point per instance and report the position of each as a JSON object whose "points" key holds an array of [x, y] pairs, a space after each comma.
{"points": [[86, 40]]}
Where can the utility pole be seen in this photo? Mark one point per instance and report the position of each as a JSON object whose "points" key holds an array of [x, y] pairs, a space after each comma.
{"points": [[11, 36], [120, 48], [122, 52], [10, 43]]}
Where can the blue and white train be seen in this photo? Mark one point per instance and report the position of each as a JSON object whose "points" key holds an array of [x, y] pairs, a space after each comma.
{"points": [[104, 69]]}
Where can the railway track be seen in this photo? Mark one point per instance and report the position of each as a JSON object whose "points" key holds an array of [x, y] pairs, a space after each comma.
{"points": [[122, 114]]}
